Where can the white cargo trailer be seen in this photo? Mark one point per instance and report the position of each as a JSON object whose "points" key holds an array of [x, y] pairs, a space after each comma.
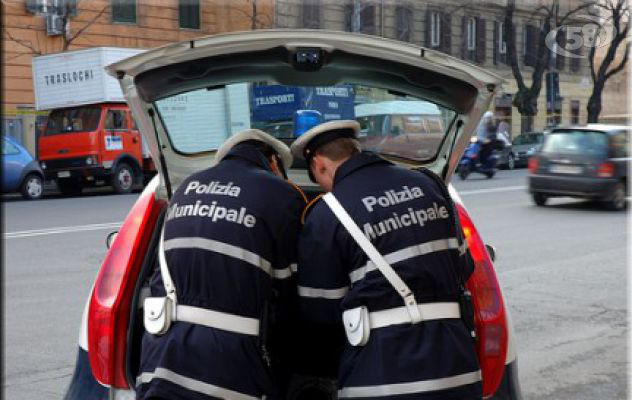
{"points": [[77, 77]]}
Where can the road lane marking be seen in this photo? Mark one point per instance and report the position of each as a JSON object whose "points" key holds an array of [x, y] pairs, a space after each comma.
{"points": [[61, 229], [492, 190]]}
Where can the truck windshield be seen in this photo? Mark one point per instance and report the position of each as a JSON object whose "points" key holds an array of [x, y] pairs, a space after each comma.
{"points": [[70, 120], [391, 123]]}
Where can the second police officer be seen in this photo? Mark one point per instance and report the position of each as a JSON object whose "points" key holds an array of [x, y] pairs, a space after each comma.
{"points": [[225, 278], [407, 324]]}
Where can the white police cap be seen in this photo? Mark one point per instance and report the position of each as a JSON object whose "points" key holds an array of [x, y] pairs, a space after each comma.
{"points": [[321, 134], [255, 134]]}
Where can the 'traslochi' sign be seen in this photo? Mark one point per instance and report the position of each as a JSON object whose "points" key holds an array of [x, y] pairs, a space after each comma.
{"points": [[69, 77], [78, 77]]}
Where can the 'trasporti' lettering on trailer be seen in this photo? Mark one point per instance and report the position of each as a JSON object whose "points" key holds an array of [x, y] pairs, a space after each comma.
{"points": [[393, 197], [69, 77]]}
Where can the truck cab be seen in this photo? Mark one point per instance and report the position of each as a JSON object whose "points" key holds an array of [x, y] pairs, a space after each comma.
{"points": [[92, 145]]}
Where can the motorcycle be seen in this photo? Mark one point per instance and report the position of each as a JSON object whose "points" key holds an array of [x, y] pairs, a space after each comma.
{"points": [[480, 157]]}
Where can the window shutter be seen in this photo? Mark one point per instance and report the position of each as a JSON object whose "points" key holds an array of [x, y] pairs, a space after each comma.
{"points": [[124, 11], [481, 40], [349, 17], [367, 19], [531, 35], [311, 14], [503, 57], [189, 14], [404, 23], [32, 6], [446, 34], [576, 62], [496, 41], [561, 42], [464, 52], [428, 28]]}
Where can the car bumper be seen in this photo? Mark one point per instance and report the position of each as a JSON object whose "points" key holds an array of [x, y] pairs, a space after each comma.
{"points": [[83, 384], [84, 174], [571, 186], [509, 388]]}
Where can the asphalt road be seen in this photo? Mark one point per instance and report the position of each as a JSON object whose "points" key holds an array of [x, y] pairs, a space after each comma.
{"points": [[562, 268]]}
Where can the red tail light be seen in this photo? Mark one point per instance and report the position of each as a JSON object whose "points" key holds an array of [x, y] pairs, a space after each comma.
{"points": [[605, 170], [533, 164], [108, 316], [491, 322]]}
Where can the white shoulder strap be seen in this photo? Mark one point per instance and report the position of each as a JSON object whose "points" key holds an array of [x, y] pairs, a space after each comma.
{"points": [[391, 276], [164, 271]]}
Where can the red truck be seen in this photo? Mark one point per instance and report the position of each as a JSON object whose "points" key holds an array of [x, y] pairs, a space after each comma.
{"points": [[90, 138]]}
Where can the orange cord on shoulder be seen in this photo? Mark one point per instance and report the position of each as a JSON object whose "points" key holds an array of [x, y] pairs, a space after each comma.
{"points": [[308, 206], [298, 189]]}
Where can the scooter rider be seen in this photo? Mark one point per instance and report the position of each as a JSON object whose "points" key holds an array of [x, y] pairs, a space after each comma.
{"points": [[227, 259], [406, 317]]}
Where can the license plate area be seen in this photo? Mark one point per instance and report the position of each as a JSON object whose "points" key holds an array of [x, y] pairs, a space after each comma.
{"points": [[565, 169], [63, 174]]}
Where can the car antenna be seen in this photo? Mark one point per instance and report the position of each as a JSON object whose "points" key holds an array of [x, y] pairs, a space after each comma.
{"points": [[163, 163]]}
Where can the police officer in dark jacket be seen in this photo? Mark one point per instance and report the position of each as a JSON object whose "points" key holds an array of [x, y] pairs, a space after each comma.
{"points": [[408, 217], [230, 251]]}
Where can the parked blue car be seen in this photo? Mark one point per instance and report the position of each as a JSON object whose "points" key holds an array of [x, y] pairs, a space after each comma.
{"points": [[20, 172]]}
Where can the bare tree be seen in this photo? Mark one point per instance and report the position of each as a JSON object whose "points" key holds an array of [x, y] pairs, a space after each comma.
{"points": [[253, 13], [34, 48], [618, 14], [526, 98]]}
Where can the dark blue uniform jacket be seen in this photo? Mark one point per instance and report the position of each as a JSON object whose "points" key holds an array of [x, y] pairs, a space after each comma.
{"points": [[240, 225], [406, 216]]}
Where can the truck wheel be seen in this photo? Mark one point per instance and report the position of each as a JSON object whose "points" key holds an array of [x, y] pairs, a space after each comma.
{"points": [[123, 178], [69, 187], [539, 199], [32, 187], [616, 201]]}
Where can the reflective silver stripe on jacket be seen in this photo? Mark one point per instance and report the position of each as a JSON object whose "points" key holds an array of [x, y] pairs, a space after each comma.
{"points": [[330, 294], [395, 389], [192, 384], [229, 250], [405, 254], [216, 319]]}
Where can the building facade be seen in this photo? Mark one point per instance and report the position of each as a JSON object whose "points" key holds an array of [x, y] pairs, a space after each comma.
{"points": [[38, 27], [470, 30]]}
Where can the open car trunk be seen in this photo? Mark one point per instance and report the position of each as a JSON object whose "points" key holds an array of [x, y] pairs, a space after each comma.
{"points": [[190, 96]]}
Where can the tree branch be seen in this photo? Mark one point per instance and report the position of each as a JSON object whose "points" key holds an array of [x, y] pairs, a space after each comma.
{"points": [[68, 41], [24, 43], [621, 65]]}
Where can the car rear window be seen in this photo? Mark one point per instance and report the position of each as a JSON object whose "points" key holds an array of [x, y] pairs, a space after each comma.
{"points": [[576, 142], [527, 139], [391, 123], [69, 120]]}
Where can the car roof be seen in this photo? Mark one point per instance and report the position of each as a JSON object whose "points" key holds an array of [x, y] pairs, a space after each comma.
{"points": [[595, 127]]}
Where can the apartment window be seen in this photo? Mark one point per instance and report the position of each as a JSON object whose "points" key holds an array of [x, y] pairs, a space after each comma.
{"points": [[189, 12], [435, 29], [576, 61], [574, 111], [360, 17], [311, 14], [124, 11], [471, 34], [404, 23], [502, 44], [531, 45]]}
